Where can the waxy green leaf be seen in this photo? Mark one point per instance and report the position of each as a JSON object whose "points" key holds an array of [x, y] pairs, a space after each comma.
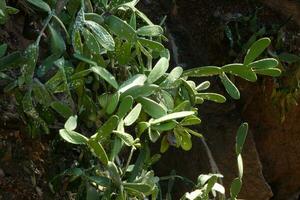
{"points": [[150, 30], [151, 107], [159, 70], [133, 115], [106, 75], [230, 87], [256, 49], [73, 137], [102, 35]]}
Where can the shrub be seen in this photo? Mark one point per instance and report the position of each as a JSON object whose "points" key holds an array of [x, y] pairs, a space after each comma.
{"points": [[106, 68]]}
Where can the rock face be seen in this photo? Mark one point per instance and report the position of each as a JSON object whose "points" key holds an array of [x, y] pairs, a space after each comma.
{"points": [[277, 142]]}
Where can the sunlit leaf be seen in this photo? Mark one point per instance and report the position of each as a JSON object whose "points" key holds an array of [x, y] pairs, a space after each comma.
{"points": [[133, 115], [230, 87], [256, 49], [106, 75]]}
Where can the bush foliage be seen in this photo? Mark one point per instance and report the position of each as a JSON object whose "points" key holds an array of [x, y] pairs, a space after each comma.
{"points": [[105, 74]]}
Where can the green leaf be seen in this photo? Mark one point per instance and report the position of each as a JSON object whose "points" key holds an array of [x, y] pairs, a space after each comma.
{"points": [[91, 42], [71, 123], [41, 5], [256, 49], [116, 3], [170, 125], [203, 86], [102, 35], [121, 28], [203, 71], [230, 87], [139, 187], [172, 116], [159, 70], [150, 30], [94, 17], [173, 76], [183, 106], [123, 53], [3, 49], [186, 141], [199, 135], [240, 165], [142, 126], [153, 45], [275, 72], [136, 80], [124, 106], [99, 180], [240, 70], [61, 108], [58, 45], [153, 135], [113, 103], [106, 129], [72, 137], [98, 150], [132, 21], [10, 60], [191, 92], [41, 94], [133, 115], [164, 145], [77, 42], [235, 188], [264, 63], [127, 138], [190, 121], [241, 137], [151, 107], [167, 99], [218, 98], [114, 173], [141, 91], [288, 58], [28, 67], [106, 75], [84, 59]]}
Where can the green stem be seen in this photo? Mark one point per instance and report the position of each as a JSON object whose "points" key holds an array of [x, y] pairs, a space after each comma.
{"points": [[129, 159], [44, 27]]}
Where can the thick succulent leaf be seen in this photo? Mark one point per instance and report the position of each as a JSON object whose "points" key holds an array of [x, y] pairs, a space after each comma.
{"points": [[98, 150], [72, 137], [106, 75], [203, 71], [152, 108], [150, 30], [240, 70], [153, 45], [43, 6], [218, 98], [133, 115], [256, 49], [121, 28], [159, 70], [124, 106], [275, 72], [264, 63], [102, 35], [136, 80], [230, 87], [172, 116], [241, 137]]}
